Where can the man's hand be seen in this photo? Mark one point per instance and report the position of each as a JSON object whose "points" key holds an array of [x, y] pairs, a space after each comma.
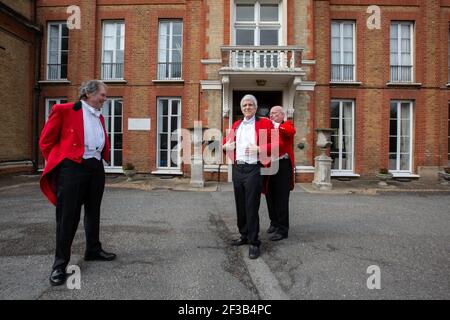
{"points": [[251, 150], [229, 146]]}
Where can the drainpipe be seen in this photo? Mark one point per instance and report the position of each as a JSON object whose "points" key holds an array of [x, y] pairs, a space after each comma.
{"points": [[36, 91]]}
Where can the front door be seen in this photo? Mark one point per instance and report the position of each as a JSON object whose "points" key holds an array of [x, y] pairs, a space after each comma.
{"points": [[265, 99]]}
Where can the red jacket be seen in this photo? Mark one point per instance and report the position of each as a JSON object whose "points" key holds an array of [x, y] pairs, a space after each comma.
{"points": [[286, 132], [263, 127], [63, 138]]}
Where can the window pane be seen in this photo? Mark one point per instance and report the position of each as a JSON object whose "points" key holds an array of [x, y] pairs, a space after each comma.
{"points": [[334, 123], [393, 144], [348, 30], [164, 104], [269, 12], [118, 141], [404, 144], [245, 12], [392, 161], [177, 28], [335, 109], [335, 157], [393, 128], [404, 162], [174, 123], [268, 37], [117, 126], [335, 30], [118, 108], [175, 107], [163, 141], [163, 158], [394, 30], [117, 158], [245, 37]]}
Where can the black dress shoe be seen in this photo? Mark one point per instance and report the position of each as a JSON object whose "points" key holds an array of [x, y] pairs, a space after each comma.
{"points": [[253, 252], [239, 242], [271, 229], [58, 277], [100, 256], [278, 237]]}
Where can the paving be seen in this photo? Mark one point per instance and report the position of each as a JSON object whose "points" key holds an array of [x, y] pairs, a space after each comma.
{"points": [[172, 242]]}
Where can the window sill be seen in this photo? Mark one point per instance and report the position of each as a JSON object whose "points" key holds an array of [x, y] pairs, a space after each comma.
{"points": [[167, 171], [350, 83], [62, 81], [177, 81], [404, 175], [404, 84], [448, 85], [115, 81], [344, 174], [113, 169]]}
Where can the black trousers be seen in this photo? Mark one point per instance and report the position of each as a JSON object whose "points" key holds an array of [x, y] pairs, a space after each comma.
{"points": [[78, 184], [277, 197], [247, 184]]}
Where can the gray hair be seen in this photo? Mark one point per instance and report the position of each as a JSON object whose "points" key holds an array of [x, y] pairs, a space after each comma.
{"points": [[251, 98], [89, 87]]}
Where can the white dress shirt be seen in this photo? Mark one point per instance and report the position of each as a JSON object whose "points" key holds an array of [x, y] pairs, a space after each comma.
{"points": [[94, 136], [246, 136]]}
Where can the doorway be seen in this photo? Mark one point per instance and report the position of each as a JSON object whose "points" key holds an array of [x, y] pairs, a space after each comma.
{"points": [[266, 100]]}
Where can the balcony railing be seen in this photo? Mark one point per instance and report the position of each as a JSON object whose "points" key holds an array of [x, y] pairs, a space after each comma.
{"points": [[169, 70], [112, 71], [56, 71], [342, 72], [262, 58], [401, 73]]}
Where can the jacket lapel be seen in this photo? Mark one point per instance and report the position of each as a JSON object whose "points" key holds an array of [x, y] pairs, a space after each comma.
{"points": [[78, 121]]}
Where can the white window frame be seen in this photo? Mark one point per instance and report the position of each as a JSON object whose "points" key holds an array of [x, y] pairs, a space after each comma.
{"points": [[341, 136], [112, 116], [399, 46], [341, 24], [60, 25], [411, 127], [170, 62], [117, 24], [256, 24], [168, 168], [58, 100]]}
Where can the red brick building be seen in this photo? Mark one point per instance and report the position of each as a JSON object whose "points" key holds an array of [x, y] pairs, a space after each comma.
{"points": [[377, 72]]}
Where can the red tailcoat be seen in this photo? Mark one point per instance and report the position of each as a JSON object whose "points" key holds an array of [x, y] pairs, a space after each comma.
{"points": [[63, 138]]}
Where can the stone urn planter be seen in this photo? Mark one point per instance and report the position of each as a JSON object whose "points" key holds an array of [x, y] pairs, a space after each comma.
{"points": [[384, 175], [129, 171], [445, 176]]}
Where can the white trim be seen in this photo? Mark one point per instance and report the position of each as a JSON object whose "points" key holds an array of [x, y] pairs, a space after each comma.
{"points": [[181, 81], [117, 24], [57, 101], [63, 81], [343, 173], [211, 61], [211, 84], [308, 61], [306, 86], [115, 81], [341, 133], [404, 175], [167, 171], [304, 169], [169, 132], [398, 103], [351, 83], [112, 116], [406, 84], [113, 169]]}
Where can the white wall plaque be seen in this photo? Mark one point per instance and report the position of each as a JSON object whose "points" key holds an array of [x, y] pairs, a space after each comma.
{"points": [[142, 124]]}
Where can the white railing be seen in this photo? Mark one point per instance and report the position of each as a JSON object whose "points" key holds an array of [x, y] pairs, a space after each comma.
{"points": [[270, 58]]}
